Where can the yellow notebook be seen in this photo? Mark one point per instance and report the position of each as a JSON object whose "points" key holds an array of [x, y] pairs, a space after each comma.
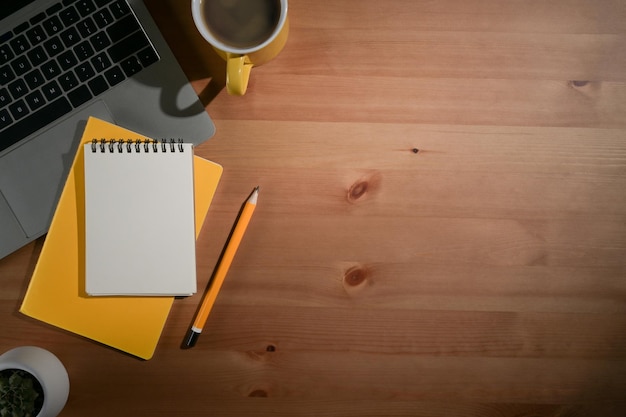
{"points": [[56, 293]]}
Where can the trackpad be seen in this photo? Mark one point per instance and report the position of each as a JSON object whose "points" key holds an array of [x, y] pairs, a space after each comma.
{"points": [[36, 171]]}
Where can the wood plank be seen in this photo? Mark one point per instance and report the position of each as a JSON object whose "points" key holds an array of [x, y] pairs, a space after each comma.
{"points": [[429, 101], [286, 327], [258, 405], [428, 286], [534, 16], [463, 171], [459, 54], [324, 376]]}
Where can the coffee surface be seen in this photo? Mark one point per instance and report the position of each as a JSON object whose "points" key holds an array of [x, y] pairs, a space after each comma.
{"points": [[241, 23]]}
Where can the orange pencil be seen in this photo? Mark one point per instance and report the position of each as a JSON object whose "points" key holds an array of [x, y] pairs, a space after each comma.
{"points": [[222, 269]]}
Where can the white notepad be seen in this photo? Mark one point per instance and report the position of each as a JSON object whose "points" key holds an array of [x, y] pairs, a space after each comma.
{"points": [[139, 218]]}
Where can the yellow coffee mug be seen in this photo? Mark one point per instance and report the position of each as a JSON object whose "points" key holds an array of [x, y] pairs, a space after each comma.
{"points": [[246, 33]]}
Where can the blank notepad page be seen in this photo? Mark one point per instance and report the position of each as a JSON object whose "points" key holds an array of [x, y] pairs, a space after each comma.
{"points": [[139, 219]]}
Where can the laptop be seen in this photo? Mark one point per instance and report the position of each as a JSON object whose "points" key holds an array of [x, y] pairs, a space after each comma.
{"points": [[62, 61]]}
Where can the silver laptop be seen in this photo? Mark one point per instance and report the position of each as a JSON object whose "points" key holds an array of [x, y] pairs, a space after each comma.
{"points": [[62, 61]]}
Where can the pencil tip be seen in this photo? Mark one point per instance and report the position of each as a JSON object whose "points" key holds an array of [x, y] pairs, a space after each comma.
{"points": [[253, 196]]}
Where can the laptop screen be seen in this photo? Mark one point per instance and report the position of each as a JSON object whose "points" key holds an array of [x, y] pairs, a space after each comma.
{"points": [[11, 6]]}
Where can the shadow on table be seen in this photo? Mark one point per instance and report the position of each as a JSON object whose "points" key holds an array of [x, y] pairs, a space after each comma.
{"points": [[198, 60]]}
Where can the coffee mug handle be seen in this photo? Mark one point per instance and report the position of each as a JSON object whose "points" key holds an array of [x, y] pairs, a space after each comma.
{"points": [[237, 74]]}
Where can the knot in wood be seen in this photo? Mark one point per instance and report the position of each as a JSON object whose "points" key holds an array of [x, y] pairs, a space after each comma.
{"points": [[363, 187], [258, 393], [357, 190], [579, 83], [355, 276]]}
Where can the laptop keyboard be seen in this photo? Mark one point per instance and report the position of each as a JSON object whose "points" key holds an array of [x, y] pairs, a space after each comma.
{"points": [[63, 57]]}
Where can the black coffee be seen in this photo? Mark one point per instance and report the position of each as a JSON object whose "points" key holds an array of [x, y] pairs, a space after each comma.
{"points": [[241, 23]]}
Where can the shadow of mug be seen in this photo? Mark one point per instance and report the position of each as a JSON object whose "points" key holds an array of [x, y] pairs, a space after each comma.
{"points": [[199, 62], [244, 33]]}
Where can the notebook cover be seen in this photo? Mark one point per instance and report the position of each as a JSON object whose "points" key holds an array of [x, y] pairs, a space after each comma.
{"points": [[139, 219], [56, 293]]}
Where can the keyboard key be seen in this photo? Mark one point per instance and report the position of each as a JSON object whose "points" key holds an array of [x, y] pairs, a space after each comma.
{"points": [[100, 62], [114, 76], [36, 35], [68, 81], [18, 109], [37, 18], [148, 56], [53, 9], [69, 16], [79, 96], [5, 98], [87, 27], [131, 66], [4, 37], [67, 60], [70, 37], [53, 46], [100, 41], [33, 122], [37, 55], [18, 88], [53, 25], [20, 65], [6, 74], [84, 71], [50, 69], [21, 27], [34, 79], [103, 18], [135, 42], [102, 3], [85, 7], [5, 118], [19, 44], [122, 28], [6, 53], [51, 90], [83, 50], [35, 100], [119, 8], [98, 85]]}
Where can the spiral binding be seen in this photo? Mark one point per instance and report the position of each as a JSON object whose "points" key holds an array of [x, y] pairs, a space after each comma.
{"points": [[136, 145]]}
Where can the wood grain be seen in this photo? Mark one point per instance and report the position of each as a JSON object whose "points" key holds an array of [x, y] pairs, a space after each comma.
{"points": [[441, 229]]}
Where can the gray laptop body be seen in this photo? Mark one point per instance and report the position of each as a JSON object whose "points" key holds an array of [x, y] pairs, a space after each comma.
{"points": [[147, 93]]}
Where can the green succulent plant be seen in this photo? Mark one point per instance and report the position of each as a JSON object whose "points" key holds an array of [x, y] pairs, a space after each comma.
{"points": [[21, 394]]}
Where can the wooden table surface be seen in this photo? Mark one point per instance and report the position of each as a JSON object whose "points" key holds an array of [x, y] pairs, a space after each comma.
{"points": [[441, 229]]}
